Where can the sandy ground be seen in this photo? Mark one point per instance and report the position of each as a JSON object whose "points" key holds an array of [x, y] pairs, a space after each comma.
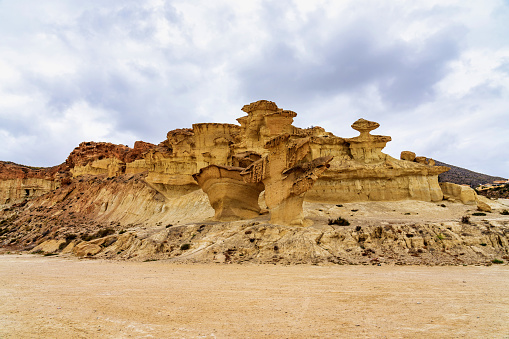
{"points": [[50, 297]]}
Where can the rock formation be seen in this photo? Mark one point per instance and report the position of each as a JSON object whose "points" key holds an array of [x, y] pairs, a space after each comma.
{"points": [[104, 158], [229, 195], [359, 171], [466, 195], [407, 155], [462, 193], [154, 201], [18, 182], [286, 177]]}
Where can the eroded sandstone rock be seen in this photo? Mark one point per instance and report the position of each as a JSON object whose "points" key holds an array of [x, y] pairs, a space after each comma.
{"points": [[359, 171], [407, 155], [286, 177], [18, 182], [229, 195], [462, 193]]}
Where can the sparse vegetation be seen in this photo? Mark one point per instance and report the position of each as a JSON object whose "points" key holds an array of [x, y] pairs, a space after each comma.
{"points": [[185, 247], [465, 219], [339, 221], [505, 212], [478, 214], [440, 236], [497, 261], [482, 244]]}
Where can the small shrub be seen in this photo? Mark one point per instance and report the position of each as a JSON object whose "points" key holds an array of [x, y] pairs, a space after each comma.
{"points": [[482, 244], [185, 247], [50, 254], [440, 236], [479, 214], [505, 212], [354, 210], [443, 205], [465, 219], [121, 232], [497, 261], [339, 221], [339, 205]]}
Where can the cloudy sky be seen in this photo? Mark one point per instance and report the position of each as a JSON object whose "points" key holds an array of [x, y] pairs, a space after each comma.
{"points": [[434, 74]]}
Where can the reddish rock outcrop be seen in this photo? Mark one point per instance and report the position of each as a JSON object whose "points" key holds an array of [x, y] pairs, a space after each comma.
{"points": [[91, 151]]}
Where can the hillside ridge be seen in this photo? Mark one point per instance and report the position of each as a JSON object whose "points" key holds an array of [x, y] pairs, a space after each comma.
{"points": [[463, 176]]}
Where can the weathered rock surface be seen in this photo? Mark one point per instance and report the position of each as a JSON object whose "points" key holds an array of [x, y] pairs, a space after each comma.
{"points": [[229, 195], [145, 202], [124, 218], [286, 177], [462, 193], [407, 155], [482, 205], [360, 171], [18, 182]]}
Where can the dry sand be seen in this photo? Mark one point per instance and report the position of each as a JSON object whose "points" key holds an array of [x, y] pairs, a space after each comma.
{"points": [[56, 297]]}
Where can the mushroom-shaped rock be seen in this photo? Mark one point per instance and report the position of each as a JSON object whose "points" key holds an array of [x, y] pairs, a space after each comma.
{"points": [[367, 148], [229, 195], [364, 126]]}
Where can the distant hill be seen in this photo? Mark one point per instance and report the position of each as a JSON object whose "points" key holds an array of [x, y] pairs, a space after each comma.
{"points": [[463, 176]]}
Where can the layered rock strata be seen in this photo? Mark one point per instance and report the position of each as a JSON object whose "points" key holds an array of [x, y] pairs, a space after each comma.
{"points": [[18, 182]]}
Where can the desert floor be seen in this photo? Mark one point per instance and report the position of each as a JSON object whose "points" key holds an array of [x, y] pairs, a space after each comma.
{"points": [[58, 297]]}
